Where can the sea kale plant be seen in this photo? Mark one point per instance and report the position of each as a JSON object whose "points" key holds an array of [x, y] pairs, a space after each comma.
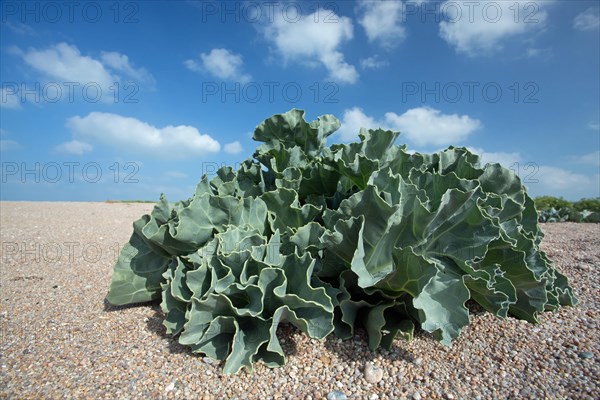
{"points": [[328, 239]]}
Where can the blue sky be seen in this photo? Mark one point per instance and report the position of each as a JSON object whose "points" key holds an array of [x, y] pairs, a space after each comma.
{"points": [[127, 100]]}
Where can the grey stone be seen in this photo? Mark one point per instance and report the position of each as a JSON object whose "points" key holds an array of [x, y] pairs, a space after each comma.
{"points": [[373, 374], [336, 395]]}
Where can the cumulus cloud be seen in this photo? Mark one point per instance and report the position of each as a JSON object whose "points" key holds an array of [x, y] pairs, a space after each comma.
{"points": [[484, 28], [550, 180], [314, 40], [221, 63], [131, 134], [373, 63], [19, 28], [422, 125], [233, 148], [592, 159], [503, 158], [589, 20], [120, 62], [353, 120], [74, 147], [65, 63], [192, 65], [428, 126], [381, 21], [540, 53]]}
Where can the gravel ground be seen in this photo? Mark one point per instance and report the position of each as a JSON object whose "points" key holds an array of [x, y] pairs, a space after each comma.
{"points": [[60, 339]]}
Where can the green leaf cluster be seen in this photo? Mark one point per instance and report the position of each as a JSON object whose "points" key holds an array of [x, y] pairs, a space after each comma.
{"points": [[332, 238]]}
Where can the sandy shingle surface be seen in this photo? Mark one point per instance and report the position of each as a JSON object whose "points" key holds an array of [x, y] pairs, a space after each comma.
{"points": [[60, 340]]}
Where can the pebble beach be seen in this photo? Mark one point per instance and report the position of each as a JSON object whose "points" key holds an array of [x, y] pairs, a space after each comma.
{"points": [[60, 339]]}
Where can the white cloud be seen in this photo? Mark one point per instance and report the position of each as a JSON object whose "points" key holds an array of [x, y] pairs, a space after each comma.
{"points": [[594, 126], [373, 63], [130, 134], [192, 65], [233, 148], [592, 159], [120, 62], [381, 21], [65, 62], [74, 147], [314, 40], [352, 121], [548, 180], [9, 99], [488, 157], [19, 28], [6, 144], [221, 63], [589, 20], [422, 126], [536, 52], [428, 126], [483, 27]]}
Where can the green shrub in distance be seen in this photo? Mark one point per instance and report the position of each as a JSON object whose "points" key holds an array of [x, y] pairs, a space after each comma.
{"points": [[547, 202], [591, 204]]}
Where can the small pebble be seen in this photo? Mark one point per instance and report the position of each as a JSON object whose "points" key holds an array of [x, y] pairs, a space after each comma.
{"points": [[373, 374], [586, 355], [336, 395], [325, 360]]}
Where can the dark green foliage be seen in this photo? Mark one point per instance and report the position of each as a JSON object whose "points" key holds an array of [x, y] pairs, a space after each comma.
{"points": [[546, 202], [590, 204]]}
